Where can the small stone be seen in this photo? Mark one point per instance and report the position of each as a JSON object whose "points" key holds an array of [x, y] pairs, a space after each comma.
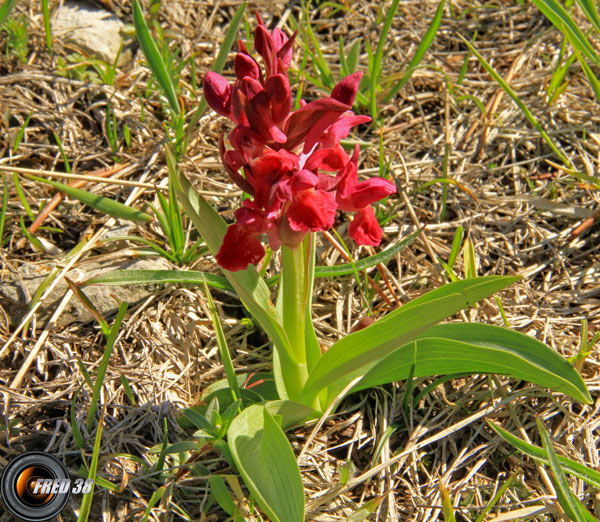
{"points": [[14, 302], [92, 29]]}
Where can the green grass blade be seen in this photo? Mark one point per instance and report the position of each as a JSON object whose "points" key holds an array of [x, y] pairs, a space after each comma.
{"points": [[128, 391], [86, 503], [3, 209], [88, 305], [219, 63], [319, 59], [160, 251], [156, 496], [155, 60], [585, 473], [22, 196], [589, 8], [353, 55], [62, 152], [343, 63], [101, 203], [574, 510], [420, 52], [47, 28], [375, 72], [559, 16], [456, 242], [132, 277], [361, 264], [35, 242], [589, 74], [221, 494], [77, 436], [21, 133], [526, 112], [470, 267], [5, 10], [447, 507], [499, 494], [110, 343], [222, 345]]}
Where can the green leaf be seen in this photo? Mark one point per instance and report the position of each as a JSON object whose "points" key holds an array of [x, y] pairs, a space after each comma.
{"points": [[106, 205], [221, 493], [267, 464], [447, 507], [131, 277], [251, 289], [559, 16], [197, 419], [589, 8], [5, 10], [86, 502], [479, 348], [155, 61], [571, 505], [177, 447], [291, 413], [420, 52], [222, 345], [154, 499], [356, 353], [585, 473]]}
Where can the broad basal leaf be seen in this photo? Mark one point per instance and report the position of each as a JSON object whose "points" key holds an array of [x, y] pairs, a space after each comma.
{"points": [[356, 353], [267, 464], [478, 348]]}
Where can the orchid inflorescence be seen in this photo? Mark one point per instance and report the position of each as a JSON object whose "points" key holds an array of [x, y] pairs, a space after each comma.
{"points": [[288, 158]]}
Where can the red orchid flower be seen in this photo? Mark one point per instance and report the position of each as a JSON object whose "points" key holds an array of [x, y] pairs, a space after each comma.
{"points": [[291, 163]]}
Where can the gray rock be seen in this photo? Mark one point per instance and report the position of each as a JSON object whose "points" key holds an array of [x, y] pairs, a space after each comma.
{"points": [[120, 228], [93, 30], [15, 303]]}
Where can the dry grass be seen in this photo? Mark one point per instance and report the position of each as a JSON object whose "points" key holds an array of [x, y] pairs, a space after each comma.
{"points": [[520, 221]]}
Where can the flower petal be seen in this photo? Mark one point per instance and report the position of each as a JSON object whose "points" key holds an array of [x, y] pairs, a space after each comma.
{"points": [[244, 65], [255, 103], [340, 129], [233, 161], [247, 141], [371, 190], [312, 210], [365, 229], [280, 96], [308, 123], [217, 92], [239, 249], [345, 91], [331, 159]]}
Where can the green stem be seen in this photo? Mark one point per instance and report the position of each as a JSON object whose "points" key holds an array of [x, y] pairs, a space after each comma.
{"points": [[294, 301]]}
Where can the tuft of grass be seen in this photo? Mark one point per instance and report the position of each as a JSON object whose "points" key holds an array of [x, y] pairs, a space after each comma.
{"points": [[17, 37]]}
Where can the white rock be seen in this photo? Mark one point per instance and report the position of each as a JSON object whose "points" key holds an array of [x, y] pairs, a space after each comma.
{"points": [[93, 30]]}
